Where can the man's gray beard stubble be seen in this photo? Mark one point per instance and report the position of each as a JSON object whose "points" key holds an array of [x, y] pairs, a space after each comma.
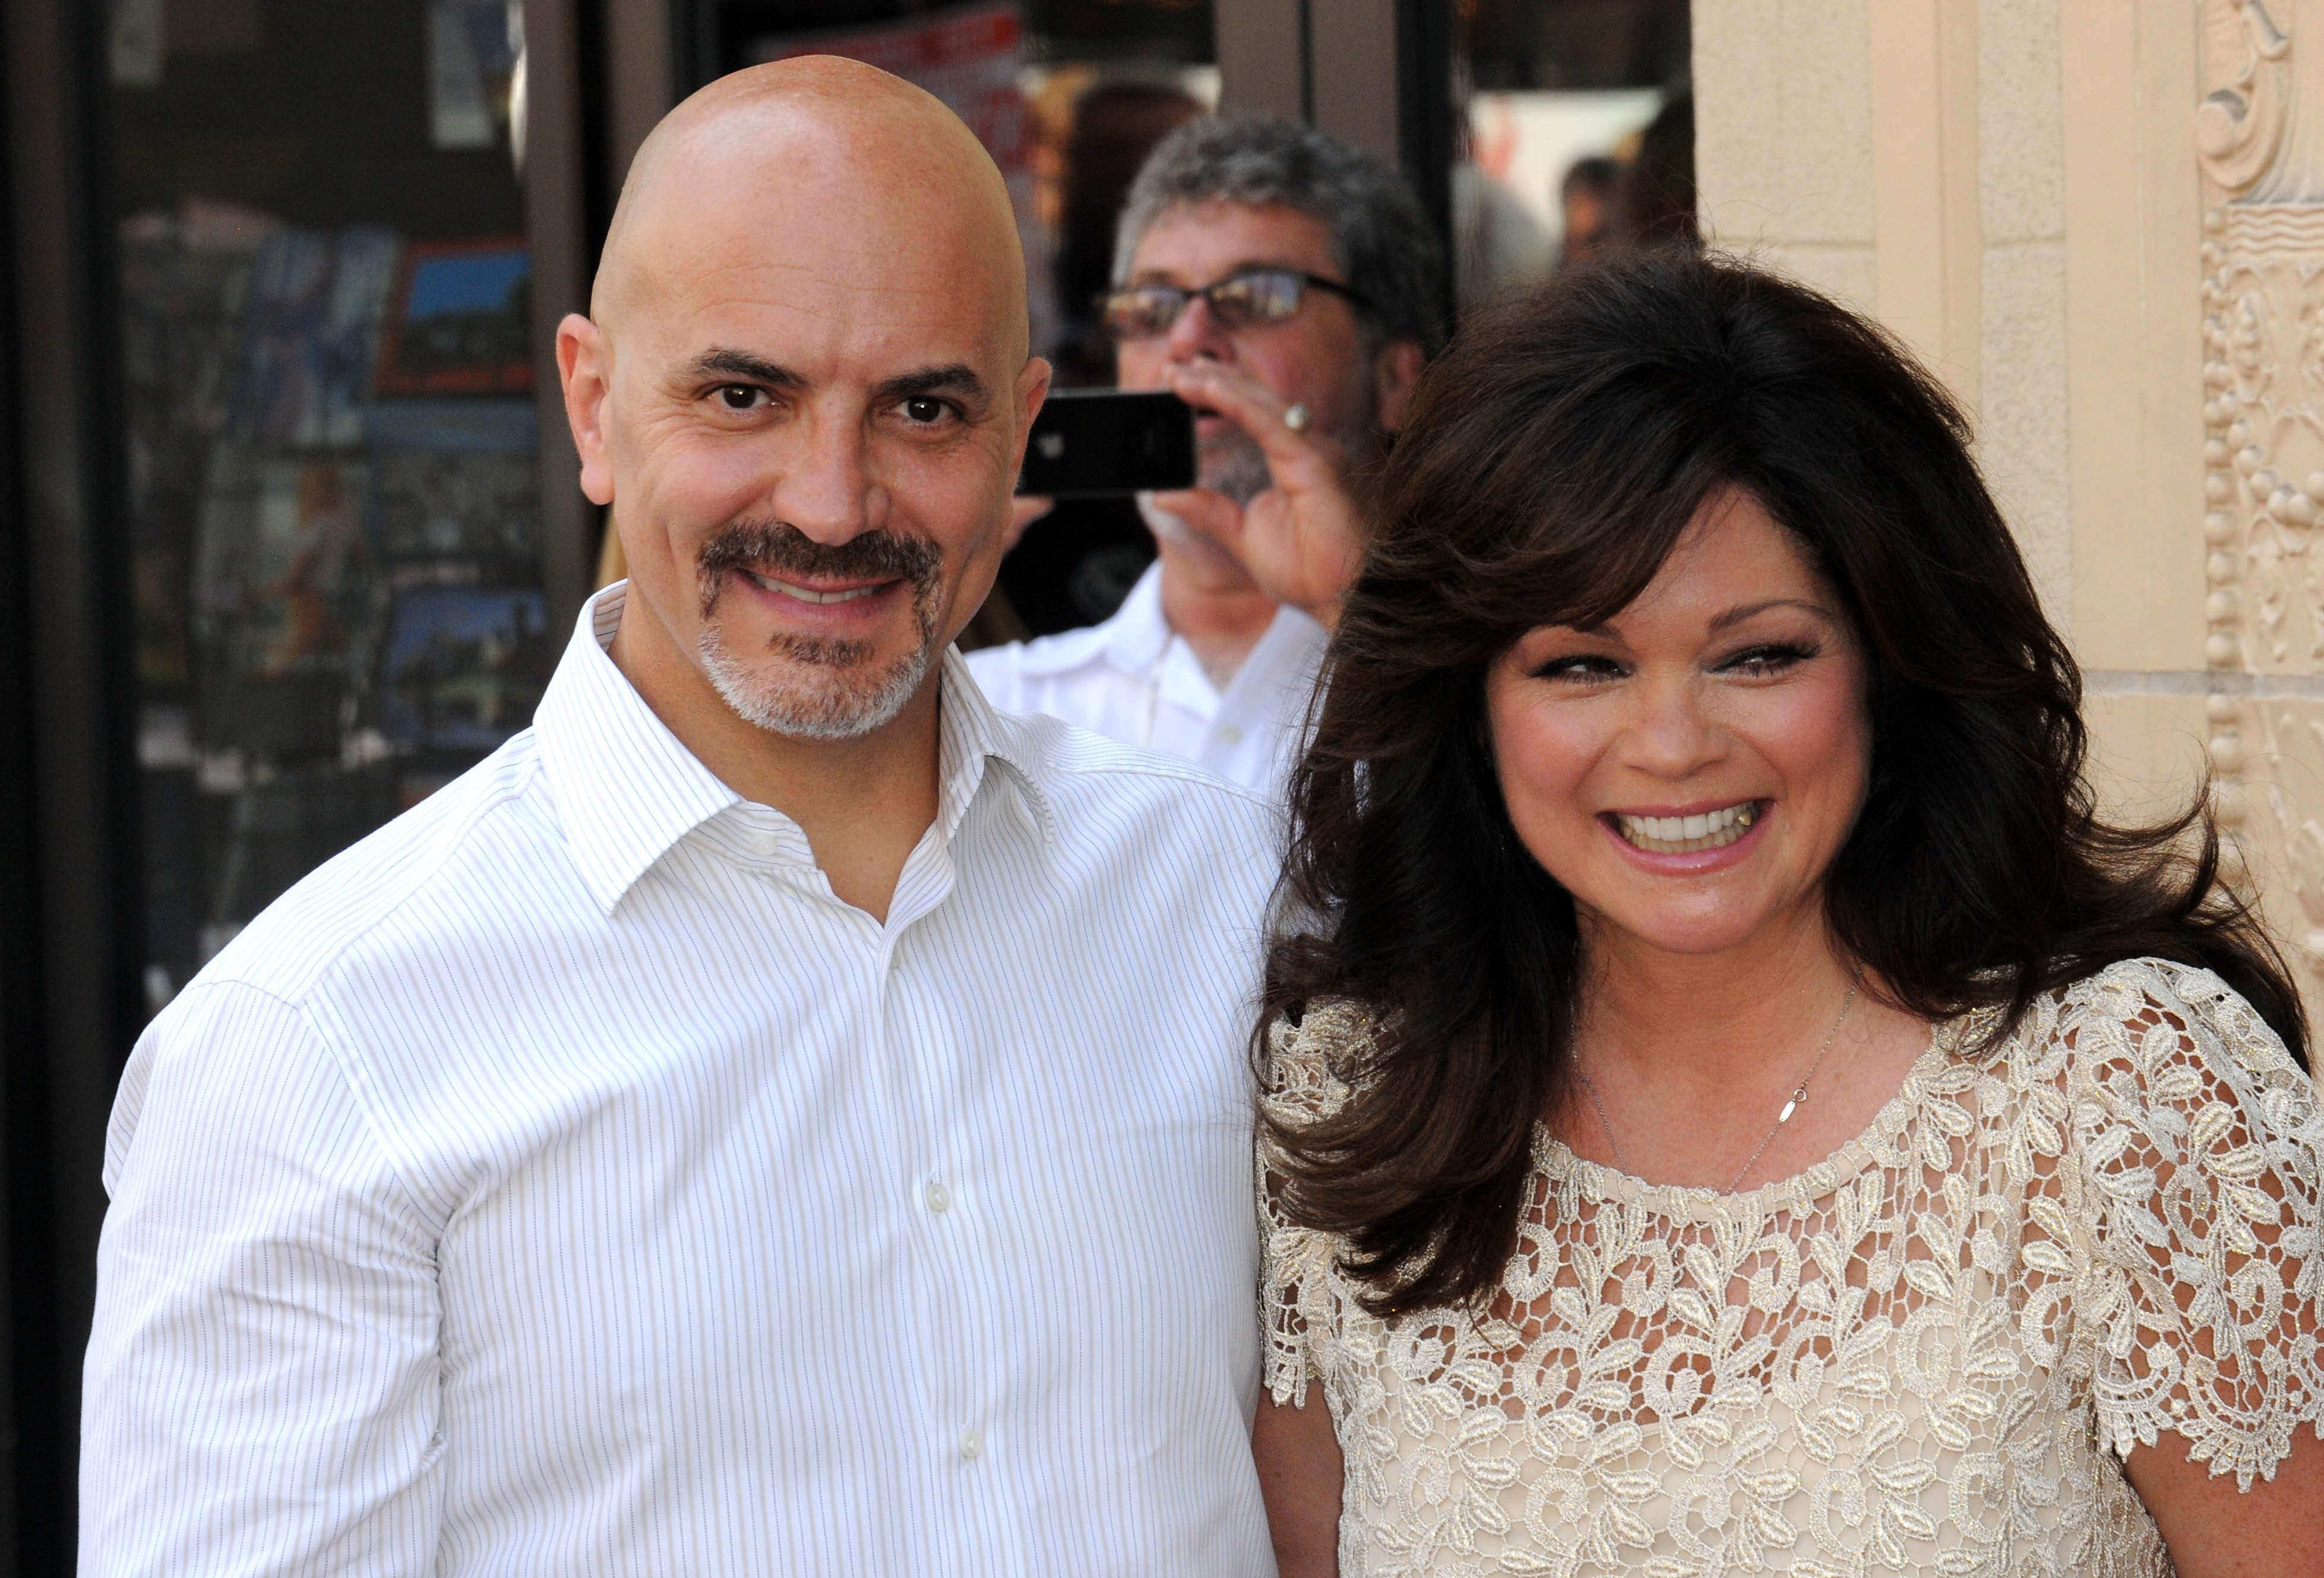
{"points": [[1234, 464], [835, 710], [837, 713], [1231, 463]]}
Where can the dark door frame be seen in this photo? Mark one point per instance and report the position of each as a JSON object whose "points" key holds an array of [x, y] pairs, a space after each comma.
{"points": [[71, 996], [1376, 72], [72, 902]]}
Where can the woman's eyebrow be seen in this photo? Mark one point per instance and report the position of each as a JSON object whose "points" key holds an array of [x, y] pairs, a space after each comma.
{"points": [[1737, 615]]}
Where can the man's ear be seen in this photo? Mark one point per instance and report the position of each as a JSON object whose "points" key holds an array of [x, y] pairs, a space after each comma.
{"points": [[585, 365], [1395, 372], [1032, 393]]}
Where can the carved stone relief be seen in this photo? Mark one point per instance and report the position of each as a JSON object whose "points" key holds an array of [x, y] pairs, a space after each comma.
{"points": [[2263, 448]]}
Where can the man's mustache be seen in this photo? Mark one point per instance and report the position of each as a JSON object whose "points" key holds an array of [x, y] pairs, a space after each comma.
{"points": [[778, 549]]}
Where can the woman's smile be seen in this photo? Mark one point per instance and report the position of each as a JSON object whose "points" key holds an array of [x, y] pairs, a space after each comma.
{"points": [[1685, 832]]}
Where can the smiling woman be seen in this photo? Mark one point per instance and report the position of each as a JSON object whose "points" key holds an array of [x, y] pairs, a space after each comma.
{"points": [[1729, 1092]]}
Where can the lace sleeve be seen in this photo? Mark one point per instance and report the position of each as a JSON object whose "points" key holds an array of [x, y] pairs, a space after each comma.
{"points": [[1294, 1261], [2201, 1151]]}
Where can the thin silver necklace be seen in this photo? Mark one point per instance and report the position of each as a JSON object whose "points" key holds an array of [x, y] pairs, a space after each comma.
{"points": [[1799, 1099]]}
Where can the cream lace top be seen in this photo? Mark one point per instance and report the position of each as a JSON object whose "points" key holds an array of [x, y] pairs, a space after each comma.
{"points": [[1927, 1354]]}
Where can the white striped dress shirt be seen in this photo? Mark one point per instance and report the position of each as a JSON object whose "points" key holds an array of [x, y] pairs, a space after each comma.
{"points": [[1134, 679], [563, 1180]]}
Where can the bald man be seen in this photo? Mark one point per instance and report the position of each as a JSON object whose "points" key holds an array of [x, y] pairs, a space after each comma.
{"points": [[777, 1116]]}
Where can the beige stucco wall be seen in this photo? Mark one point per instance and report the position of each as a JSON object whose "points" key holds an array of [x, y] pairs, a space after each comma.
{"points": [[2118, 295]]}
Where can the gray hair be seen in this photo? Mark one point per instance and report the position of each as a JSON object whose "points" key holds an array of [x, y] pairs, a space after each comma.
{"points": [[1379, 238]]}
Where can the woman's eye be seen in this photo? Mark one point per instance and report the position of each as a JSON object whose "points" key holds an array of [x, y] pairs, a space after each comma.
{"points": [[1582, 670], [741, 396], [923, 410], [1760, 662]]}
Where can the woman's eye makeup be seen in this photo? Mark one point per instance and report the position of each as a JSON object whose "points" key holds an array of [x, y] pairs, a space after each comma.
{"points": [[1760, 661], [1580, 668], [1769, 657]]}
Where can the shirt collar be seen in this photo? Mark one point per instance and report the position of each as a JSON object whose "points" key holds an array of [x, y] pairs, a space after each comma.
{"points": [[975, 733], [1138, 634], [627, 790], [1137, 637]]}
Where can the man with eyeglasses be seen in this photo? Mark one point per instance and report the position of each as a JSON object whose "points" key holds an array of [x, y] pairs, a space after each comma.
{"points": [[1285, 284]]}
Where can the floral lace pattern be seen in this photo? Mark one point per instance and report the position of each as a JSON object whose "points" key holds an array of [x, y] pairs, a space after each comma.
{"points": [[1927, 1353]]}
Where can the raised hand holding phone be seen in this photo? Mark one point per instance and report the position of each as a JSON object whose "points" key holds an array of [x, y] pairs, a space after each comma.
{"points": [[1300, 540]]}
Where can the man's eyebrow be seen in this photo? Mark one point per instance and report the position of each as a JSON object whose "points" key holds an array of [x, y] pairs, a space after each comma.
{"points": [[1162, 276], [743, 365], [957, 378], [1735, 617]]}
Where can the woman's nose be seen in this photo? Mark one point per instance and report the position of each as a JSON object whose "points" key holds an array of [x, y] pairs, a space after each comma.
{"points": [[1671, 736]]}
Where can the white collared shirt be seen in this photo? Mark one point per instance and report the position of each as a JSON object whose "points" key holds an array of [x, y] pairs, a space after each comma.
{"points": [[1132, 679], [563, 1180]]}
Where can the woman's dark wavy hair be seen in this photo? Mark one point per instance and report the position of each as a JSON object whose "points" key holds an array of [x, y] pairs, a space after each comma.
{"points": [[1552, 458]]}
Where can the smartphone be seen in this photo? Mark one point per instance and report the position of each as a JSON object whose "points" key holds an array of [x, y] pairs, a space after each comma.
{"points": [[1106, 443]]}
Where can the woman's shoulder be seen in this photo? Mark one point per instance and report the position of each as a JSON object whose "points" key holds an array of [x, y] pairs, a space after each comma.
{"points": [[2154, 1042], [1318, 1057], [2202, 1149], [2150, 1012]]}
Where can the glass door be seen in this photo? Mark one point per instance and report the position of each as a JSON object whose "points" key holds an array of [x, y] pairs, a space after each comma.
{"points": [[327, 399], [1574, 135]]}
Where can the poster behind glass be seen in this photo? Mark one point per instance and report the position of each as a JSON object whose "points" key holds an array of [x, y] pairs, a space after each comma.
{"points": [[1576, 136], [328, 345]]}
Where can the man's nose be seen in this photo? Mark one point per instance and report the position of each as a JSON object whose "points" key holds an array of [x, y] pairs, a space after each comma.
{"points": [[1198, 335], [824, 483]]}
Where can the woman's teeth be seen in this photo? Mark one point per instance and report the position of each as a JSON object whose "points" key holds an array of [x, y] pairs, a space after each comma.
{"points": [[1685, 835], [807, 596]]}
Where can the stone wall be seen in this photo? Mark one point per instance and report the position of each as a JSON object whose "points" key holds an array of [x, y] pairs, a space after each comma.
{"points": [[2101, 222]]}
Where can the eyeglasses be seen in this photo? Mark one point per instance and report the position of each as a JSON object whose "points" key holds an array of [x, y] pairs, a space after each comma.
{"points": [[1246, 298]]}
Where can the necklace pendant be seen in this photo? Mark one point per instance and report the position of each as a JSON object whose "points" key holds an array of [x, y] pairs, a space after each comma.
{"points": [[1791, 1106]]}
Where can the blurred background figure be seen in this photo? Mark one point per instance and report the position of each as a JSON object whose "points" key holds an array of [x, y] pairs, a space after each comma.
{"points": [[1075, 565], [1288, 285], [1114, 126], [1552, 101], [1657, 206], [1588, 198]]}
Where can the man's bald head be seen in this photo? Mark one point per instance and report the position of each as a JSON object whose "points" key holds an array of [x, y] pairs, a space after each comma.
{"points": [[803, 388], [858, 157]]}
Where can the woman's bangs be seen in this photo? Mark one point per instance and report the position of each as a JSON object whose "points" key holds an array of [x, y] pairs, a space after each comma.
{"points": [[1591, 544]]}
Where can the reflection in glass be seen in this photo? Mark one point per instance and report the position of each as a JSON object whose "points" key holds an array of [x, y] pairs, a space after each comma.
{"points": [[335, 537], [1577, 136]]}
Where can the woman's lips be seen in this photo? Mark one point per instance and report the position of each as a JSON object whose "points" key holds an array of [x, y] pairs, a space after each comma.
{"points": [[1661, 844], [1687, 833]]}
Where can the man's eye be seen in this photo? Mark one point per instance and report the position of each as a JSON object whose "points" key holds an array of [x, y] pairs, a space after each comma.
{"points": [[923, 410], [741, 396]]}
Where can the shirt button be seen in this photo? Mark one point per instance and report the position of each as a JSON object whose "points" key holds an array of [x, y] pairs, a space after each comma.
{"points": [[939, 1199], [972, 1447], [1230, 735], [765, 840]]}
